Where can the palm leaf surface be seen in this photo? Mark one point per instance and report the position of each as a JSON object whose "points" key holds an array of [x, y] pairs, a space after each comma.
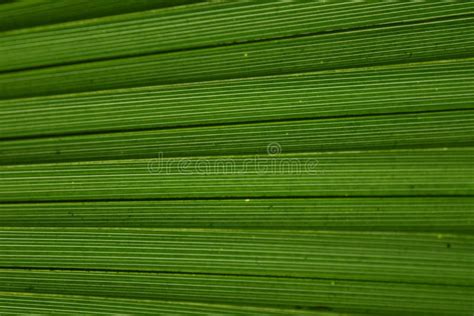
{"points": [[236, 158]]}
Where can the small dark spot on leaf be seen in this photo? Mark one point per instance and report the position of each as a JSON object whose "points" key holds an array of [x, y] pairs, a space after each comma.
{"points": [[448, 245]]}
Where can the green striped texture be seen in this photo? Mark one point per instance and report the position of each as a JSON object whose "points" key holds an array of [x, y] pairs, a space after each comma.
{"points": [[27, 13], [411, 258], [54, 304], [390, 45], [419, 87], [433, 214], [192, 157], [203, 25], [378, 173], [374, 132], [311, 294]]}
